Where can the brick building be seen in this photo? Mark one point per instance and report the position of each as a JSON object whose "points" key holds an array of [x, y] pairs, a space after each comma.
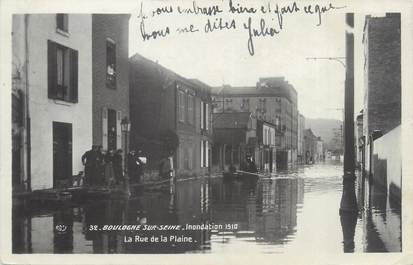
{"points": [[382, 98], [272, 100], [52, 95], [165, 103], [382, 101], [110, 64]]}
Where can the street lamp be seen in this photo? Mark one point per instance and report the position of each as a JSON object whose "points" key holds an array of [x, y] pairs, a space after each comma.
{"points": [[125, 127]]}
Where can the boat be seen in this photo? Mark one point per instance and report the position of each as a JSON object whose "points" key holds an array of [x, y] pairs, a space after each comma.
{"points": [[241, 175]]}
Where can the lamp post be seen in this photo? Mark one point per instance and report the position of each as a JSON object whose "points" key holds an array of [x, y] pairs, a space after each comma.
{"points": [[125, 127]]}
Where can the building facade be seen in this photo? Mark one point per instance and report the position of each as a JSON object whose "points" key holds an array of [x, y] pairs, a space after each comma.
{"points": [[382, 102], [300, 138], [165, 105], [310, 146], [235, 137], [110, 66], [272, 100], [52, 95], [269, 137]]}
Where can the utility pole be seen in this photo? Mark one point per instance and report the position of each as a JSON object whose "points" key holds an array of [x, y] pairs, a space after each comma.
{"points": [[348, 205], [348, 200]]}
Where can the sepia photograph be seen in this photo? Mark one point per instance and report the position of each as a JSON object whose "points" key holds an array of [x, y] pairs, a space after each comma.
{"points": [[207, 127]]}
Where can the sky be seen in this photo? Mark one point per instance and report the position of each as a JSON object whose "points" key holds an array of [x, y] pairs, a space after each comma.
{"points": [[222, 57]]}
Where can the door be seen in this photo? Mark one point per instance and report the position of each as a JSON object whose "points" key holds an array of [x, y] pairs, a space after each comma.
{"points": [[62, 154], [112, 130]]}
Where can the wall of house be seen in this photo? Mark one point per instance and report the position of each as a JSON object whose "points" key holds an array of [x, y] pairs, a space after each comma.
{"points": [[114, 27], [382, 109], [152, 107], [43, 111], [387, 161]]}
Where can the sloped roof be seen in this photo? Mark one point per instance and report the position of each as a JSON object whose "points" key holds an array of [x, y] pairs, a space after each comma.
{"points": [[231, 120]]}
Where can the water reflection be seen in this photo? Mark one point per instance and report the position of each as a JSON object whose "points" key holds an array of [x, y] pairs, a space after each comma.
{"points": [[296, 210]]}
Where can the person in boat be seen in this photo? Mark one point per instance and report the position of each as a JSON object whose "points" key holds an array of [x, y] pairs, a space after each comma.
{"points": [[139, 166], [251, 167], [166, 168]]}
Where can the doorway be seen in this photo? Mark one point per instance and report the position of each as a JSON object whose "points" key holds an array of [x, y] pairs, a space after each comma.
{"points": [[112, 130], [62, 154]]}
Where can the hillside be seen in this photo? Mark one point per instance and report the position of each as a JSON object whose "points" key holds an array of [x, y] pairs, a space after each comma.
{"points": [[327, 129]]}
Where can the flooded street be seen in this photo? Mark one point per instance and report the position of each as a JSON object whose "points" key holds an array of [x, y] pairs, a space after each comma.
{"points": [[295, 211]]}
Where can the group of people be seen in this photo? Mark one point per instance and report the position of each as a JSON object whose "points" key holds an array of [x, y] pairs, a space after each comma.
{"points": [[105, 168]]}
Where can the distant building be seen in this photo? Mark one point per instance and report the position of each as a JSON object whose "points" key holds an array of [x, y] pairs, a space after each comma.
{"points": [[320, 156], [310, 146], [165, 106], [268, 138], [52, 98], [382, 101], [235, 137], [300, 138], [110, 64], [272, 100]]}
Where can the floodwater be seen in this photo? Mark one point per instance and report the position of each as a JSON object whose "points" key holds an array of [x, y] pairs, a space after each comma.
{"points": [[295, 211]]}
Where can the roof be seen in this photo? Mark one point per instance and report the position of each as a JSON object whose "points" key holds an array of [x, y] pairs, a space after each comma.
{"points": [[269, 86], [309, 132], [193, 83], [231, 120]]}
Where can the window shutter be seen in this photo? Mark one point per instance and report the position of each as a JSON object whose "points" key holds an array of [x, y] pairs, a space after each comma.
{"points": [[74, 75], [202, 153], [104, 128], [51, 69], [206, 116], [119, 130], [206, 153], [202, 115]]}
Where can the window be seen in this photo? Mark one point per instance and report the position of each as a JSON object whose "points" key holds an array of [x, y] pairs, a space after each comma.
{"points": [[204, 154], [186, 158], [62, 22], [204, 115], [245, 105], [181, 106], [62, 72], [190, 116], [110, 64], [190, 158]]}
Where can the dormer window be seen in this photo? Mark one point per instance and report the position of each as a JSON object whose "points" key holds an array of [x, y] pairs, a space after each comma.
{"points": [[62, 22]]}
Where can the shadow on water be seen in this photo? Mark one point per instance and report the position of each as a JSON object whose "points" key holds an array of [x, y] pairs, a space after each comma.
{"points": [[272, 215]]}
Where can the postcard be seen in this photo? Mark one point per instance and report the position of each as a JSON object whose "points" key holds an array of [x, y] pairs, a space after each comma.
{"points": [[206, 132]]}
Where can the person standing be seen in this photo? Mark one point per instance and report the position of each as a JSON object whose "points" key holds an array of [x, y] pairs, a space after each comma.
{"points": [[165, 168], [100, 164], [132, 166], [117, 166], [109, 173], [89, 161]]}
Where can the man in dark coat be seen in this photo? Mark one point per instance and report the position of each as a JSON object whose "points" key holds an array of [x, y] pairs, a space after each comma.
{"points": [[117, 166], [89, 161]]}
